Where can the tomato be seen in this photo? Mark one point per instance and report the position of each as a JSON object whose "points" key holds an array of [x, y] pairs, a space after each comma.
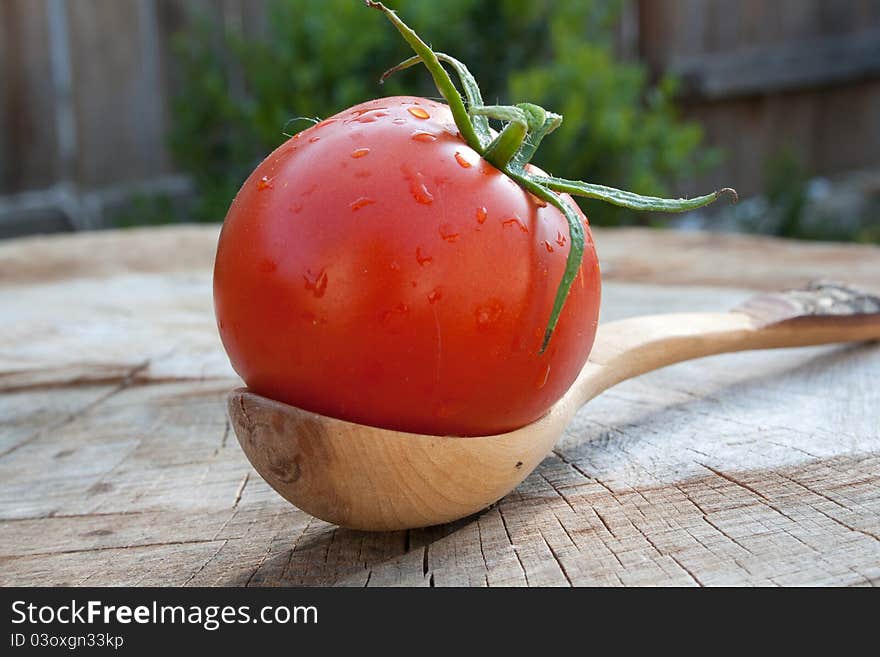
{"points": [[375, 269]]}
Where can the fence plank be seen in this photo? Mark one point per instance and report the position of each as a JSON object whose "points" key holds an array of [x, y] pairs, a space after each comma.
{"points": [[775, 69], [27, 156], [119, 103], [812, 69]]}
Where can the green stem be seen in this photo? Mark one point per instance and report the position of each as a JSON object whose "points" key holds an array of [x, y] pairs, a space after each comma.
{"points": [[631, 200], [508, 142], [530, 145], [575, 253], [441, 77], [471, 90]]}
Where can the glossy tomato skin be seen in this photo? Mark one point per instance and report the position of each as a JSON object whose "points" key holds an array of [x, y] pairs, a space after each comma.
{"points": [[375, 269]]}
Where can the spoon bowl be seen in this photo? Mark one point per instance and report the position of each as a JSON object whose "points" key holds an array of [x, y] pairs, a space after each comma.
{"points": [[369, 478]]}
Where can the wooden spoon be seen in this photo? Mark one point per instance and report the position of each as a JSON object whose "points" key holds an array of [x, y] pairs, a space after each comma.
{"points": [[364, 477]]}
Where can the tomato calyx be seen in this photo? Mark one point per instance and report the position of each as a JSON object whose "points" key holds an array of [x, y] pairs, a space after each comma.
{"points": [[511, 149]]}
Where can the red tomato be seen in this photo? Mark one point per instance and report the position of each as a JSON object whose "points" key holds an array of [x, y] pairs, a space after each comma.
{"points": [[375, 269]]}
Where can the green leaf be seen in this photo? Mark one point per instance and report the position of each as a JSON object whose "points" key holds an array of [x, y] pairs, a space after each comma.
{"points": [[630, 200], [575, 253], [471, 90]]}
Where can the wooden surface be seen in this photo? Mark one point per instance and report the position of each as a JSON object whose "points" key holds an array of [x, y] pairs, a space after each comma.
{"points": [[117, 465]]}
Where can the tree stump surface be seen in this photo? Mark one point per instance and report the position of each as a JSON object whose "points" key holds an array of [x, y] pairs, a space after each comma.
{"points": [[118, 466]]}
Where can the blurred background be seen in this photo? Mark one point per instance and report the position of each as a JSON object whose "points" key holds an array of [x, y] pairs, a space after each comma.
{"points": [[117, 113]]}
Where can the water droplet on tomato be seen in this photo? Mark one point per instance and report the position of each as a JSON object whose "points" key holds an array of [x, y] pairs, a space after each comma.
{"points": [[547, 246], [395, 266], [360, 152], [398, 121], [515, 221], [462, 161], [424, 137], [399, 310], [419, 112], [417, 187], [421, 258], [543, 378], [443, 411], [316, 282], [312, 140], [421, 194], [264, 183], [434, 296], [447, 232], [267, 266], [370, 115], [358, 203], [313, 319], [482, 213], [560, 238], [488, 313]]}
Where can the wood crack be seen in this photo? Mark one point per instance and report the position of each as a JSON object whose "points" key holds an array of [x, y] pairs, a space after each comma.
{"points": [[107, 548], [604, 523], [240, 490], [125, 383], [513, 545], [813, 491], [69, 516], [206, 562], [725, 534], [736, 482], [556, 559], [559, 493], [687, 570], [580, 471]]}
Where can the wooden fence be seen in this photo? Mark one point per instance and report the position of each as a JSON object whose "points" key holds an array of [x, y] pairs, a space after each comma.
{"points": [[86, 84], [765, 76]]}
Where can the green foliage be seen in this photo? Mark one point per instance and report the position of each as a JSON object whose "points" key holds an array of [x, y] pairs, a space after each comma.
{"points": [[842, 211], [786, 185], [146, 210], [239, 95]]}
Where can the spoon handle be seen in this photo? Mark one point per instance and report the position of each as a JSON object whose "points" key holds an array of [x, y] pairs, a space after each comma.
{"points": [[820, 313]]}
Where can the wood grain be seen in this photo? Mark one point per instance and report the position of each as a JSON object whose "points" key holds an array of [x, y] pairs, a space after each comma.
{"points": [[816, 300], [117, 465], [779, 68]]}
